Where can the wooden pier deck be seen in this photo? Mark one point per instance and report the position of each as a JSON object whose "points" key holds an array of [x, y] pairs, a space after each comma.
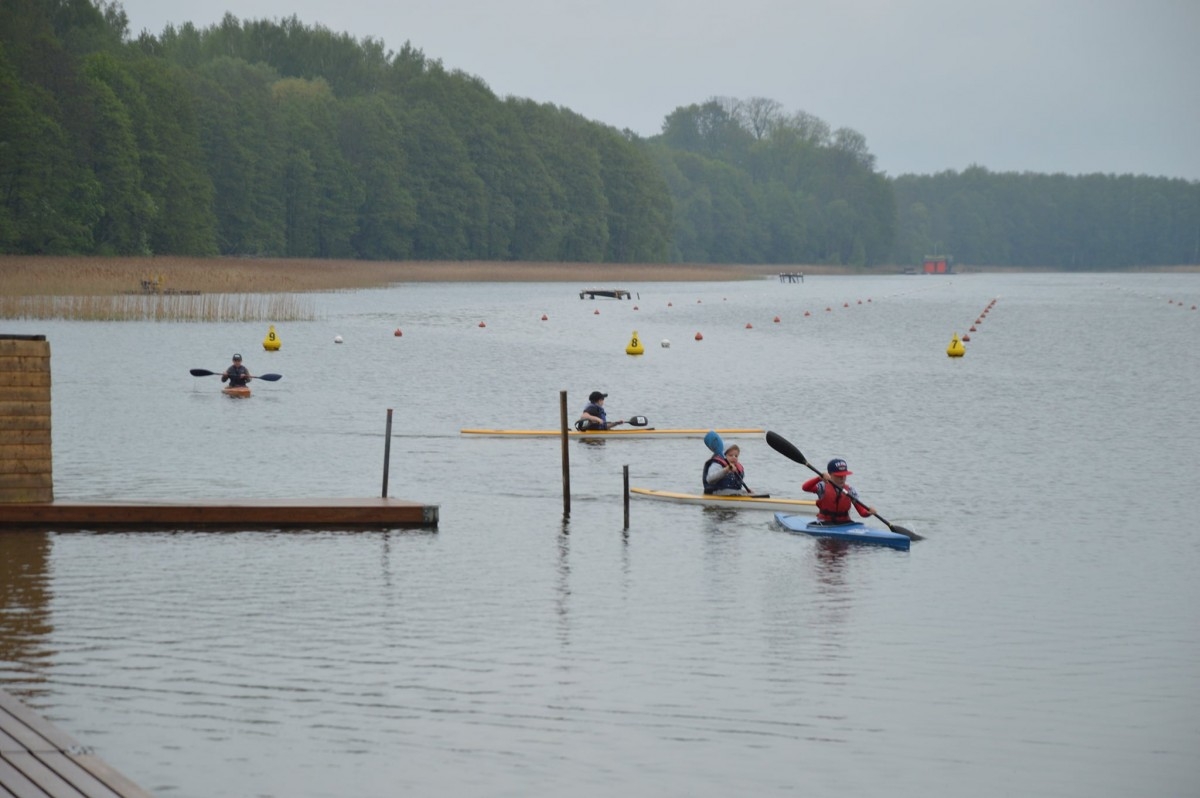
{"points": [[39, 759], [229, 513]]}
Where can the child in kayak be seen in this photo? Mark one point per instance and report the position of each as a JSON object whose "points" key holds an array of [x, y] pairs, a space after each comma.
{"points": [[834, 496], [236, 375], [723, 475], [594, 415]]}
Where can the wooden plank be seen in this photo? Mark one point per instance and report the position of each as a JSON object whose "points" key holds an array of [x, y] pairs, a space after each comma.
{"points": [[7, 741], [235, 513], [40, 437], [25, 481], [22, 451], [102, 771], [20, 393], [16, 783], [67, 769], [31, 729], [11, 378], [10, 347], [39, 759], [18, 409], [27, 421], [21, 496], [37, 771]]}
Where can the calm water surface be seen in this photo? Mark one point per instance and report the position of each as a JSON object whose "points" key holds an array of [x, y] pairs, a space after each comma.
{"points": [[1041, 642]]}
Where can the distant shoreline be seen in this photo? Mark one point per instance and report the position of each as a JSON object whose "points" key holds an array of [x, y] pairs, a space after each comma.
{"points": [[25, 275]]}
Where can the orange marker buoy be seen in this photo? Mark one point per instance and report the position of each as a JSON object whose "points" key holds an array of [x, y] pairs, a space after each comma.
{"points": [[749, 326], [481, 324], [845, 304], [669, 304], [698, 301], [973, 328], [966, 337], [397, 333], [699, 337], [806, 313], [635, 307], [860, 301], [777, 319], [596, 312], [828, 310], [544, 317]]}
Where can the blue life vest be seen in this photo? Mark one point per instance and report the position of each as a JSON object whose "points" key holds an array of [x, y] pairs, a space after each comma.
{"points": [[731, 481]]}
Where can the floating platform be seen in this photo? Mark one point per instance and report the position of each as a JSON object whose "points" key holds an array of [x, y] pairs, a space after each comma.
{"points": [[611, 293], [791, 277], [227, 513], [37, 758]]}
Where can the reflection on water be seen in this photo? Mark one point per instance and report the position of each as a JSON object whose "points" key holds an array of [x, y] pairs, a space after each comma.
{"points": [[25, 621], [698, 652]]}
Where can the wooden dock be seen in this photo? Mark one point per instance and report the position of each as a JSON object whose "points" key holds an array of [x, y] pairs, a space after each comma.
{"points": [[39, 759], [791, 277], [611, 293], [375, 513]]}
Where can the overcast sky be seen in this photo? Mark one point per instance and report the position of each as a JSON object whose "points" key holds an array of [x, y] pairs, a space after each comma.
{"points": [[1074, 86]]}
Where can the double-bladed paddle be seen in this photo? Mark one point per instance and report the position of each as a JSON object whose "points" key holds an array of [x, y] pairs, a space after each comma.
{"points": [[633, 421], [712, 439], [785, 448], [207, 373]]}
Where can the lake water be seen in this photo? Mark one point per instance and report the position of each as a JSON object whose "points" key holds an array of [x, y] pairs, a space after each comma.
{"points": [[1044, 640]]}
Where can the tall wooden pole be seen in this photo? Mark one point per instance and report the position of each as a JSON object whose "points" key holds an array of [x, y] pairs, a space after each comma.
{"points": [[566, 455]]}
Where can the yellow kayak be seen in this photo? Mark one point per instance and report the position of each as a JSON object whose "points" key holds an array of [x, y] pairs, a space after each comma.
{"points": [[747, 502], [619, 432]]}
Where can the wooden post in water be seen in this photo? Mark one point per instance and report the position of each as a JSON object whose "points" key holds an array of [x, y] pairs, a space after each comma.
{"points": [[626, 471], [566, 454], [387, 451], [26, 464]]}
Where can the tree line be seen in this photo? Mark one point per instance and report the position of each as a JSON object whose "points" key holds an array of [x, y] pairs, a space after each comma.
{"points": [[273, 138]]}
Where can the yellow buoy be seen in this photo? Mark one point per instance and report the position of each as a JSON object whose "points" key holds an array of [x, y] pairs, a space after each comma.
{"points": [[956, 348], [635, 346], [271, 342]]}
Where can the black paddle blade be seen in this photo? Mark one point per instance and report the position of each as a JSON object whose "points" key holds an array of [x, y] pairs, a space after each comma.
{"points": [[269, 377], [899, 530], [638, 421], [785, 448], [203, 373]]}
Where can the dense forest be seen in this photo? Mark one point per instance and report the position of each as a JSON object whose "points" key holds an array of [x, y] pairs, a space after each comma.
{"points": [[273, 138]]}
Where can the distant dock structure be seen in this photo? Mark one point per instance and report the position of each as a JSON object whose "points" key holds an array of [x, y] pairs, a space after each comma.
{"points": [[611, 293], [791, 277]]}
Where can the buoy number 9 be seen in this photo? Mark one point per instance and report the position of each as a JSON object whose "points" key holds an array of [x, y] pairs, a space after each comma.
{"points": [[271, 336]]}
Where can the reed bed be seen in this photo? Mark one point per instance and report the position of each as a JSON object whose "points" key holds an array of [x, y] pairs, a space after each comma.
{"points": [[258, 289], [161, 307]]}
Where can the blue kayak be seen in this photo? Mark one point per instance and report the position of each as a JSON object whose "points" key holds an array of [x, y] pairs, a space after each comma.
{"points": [[852, 532]]}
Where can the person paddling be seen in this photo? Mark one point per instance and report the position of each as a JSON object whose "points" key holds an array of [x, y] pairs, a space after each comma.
{"points": [[834, 496], [723, 473], [237, 375], [594, 416]]}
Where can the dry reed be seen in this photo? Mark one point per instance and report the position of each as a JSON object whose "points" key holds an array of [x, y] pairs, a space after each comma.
{"points": [[215, 289]]}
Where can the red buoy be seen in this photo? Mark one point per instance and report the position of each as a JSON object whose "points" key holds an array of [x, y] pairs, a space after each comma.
{"points": [[749, 326], [481, 324], [544, 317], [776, 319], [699, 337]]}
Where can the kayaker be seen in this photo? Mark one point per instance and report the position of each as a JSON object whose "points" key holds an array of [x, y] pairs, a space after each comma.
{"points": [[723, 474], [594, 415], [834, 496], [236, 375]]}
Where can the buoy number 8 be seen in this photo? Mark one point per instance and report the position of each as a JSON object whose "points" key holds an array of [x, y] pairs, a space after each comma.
{"points": [[633, 342]]}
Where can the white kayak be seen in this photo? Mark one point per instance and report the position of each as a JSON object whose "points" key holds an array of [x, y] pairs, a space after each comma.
{"points": [[749, 501], [600, 434]]}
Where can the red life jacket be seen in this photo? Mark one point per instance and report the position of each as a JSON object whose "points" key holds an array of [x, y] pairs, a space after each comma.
{"points": [[833, 505]]}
